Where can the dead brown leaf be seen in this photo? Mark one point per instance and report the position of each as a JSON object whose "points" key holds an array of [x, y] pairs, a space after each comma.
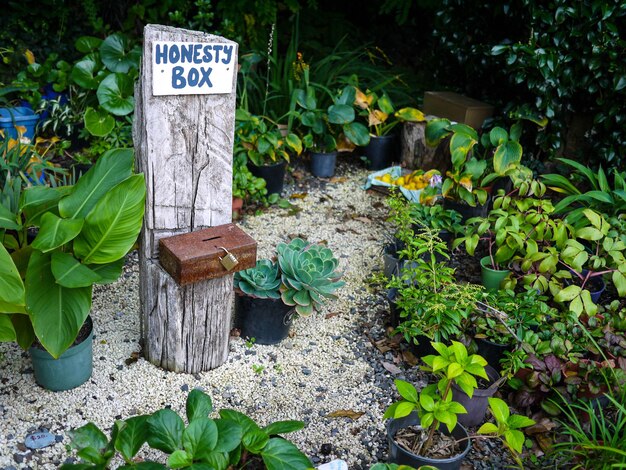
{"points": [[541, 426], [331, 315], [544, 441], [345, 414], [409, 358], [382, 345], [392, 368], [134, 357], [338, 179], [298, 195]]}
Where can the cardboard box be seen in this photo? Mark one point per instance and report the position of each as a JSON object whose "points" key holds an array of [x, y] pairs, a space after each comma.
{"points": [[194, 256], [456, 107]]}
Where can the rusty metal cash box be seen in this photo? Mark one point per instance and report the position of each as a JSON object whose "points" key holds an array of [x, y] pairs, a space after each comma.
{"points": [[207, 254]]}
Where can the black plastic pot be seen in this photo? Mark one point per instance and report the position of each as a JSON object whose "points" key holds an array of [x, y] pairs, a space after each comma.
{"points": [[266, 320], [477, 405], [274, 176], [402, 456], [492, 352], [381, 152], [423, 348], [323, 164], [394, 311], [466, 211]]}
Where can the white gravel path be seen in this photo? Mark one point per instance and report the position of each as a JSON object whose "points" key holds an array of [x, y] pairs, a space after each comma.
{"points": [[319, 370]]}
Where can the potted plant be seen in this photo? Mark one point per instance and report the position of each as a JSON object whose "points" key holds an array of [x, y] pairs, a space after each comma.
{"points": [[327, 130], [233, 440], [477, 161], [300, 281], [84, 232], [519, 230], [446, 222], [433, 413], [382, 116], [261, 314], [596, 250], [266, 149], [507, 319], [433, 304]]}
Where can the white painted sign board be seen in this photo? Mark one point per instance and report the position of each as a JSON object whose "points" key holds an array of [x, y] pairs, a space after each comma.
{"points": [[192, 68]]}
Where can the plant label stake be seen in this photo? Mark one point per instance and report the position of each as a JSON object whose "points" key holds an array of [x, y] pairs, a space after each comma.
{"points": [[183, 132]]}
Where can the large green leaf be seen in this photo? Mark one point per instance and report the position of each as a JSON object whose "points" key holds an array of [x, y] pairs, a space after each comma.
{"points": [[11, 285], [85, 73], [109, 272], [280, 454], [200, 437], [436, 130], [57, 312], [507, 156], [198, 405], [69, 272], [86, 44], [255, 440], [132, 436], [8, 220], [55, 232], [115, 94], [357, 133], [229, 434], [7, 331], [38, 200], [340, 114], [166, 430], [113, 167], [117, 54], [283, 427], [112, 228], [98, 122]]}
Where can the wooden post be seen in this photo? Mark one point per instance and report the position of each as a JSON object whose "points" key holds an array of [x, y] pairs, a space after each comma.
{"points": [[416, 154], [184, 145]]}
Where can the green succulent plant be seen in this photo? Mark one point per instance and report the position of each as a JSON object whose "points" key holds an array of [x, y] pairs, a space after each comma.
{"points": [[309, 275], [262, 281]]}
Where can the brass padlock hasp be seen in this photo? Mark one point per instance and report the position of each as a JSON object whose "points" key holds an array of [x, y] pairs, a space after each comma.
{"points": [[195, 256]]}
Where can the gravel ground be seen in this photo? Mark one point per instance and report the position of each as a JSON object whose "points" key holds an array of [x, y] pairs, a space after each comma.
{"points": [[330, 362]]}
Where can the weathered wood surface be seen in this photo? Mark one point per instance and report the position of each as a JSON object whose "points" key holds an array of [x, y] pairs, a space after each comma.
{"points": [[416, 154], [184, 146]]}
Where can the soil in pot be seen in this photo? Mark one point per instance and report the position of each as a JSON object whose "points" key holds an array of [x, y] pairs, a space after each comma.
{"points": [[595, 285], [400, 455]]}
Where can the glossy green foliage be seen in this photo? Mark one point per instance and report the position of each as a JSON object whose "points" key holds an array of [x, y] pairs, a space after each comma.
{"points": [[84, 232], [202, 443]]}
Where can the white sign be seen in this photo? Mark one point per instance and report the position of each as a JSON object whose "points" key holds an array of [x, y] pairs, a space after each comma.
{"points": [[192, 68]]}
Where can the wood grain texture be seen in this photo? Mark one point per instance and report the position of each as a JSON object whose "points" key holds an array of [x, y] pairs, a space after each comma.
{"points": [[184, 145], [416, 154]]}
